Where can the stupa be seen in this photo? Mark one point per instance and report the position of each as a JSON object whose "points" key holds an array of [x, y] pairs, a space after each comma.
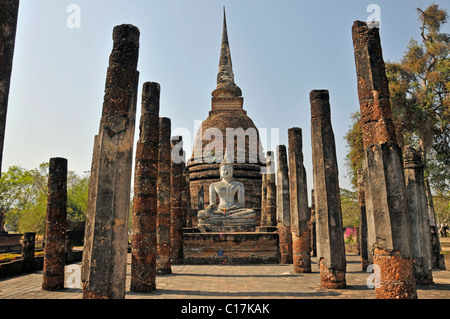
{"points": [[227, 123]]}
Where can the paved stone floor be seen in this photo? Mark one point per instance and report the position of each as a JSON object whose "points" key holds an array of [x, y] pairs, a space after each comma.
{"points": [[229, 281]]}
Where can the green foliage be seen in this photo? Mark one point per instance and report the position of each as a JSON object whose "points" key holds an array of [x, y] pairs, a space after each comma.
{"points": [[419, 86], [420, 100], [355, 156], [23, 198], [350, 208]]}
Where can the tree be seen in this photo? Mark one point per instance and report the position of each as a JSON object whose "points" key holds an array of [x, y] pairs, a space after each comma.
{"points": [[420, 100], [419, 86], [355, 156], [23, 198], [16, 194], [350, 208]]}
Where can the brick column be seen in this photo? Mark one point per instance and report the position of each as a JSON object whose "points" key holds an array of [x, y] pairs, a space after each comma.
{"points": [[106, 235], [55, 231], [386, 201], [176, 192], [163, 264], [283, 207], [300, 213], [420, 227], [313, 227], [143, 262], [28, 248], [330, 237], [269, 215], [363, 244], [8, 24]]}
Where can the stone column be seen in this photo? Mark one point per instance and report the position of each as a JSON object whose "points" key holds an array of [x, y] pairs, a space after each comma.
{"points": [[386, 201], [300, 213], [143, 261], [313, 227], [163, 264], [55, 231], [9, 10], [201, 199], [330, 244], [363, 231], [363, 244], [283, 207], [28, 248], [420, 227], [69, 246], [269, 215], [176, 192], [189, 210], [263, 199], [106, 235]]}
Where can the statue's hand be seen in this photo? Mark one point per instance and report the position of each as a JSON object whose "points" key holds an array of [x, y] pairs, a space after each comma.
{"points": [[210, 208]]}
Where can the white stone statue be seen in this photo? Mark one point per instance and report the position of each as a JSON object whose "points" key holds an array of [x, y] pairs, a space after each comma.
{"points": [[231, 201]]}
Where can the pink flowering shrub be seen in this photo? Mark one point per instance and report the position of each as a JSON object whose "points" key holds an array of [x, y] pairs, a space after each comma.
{"points": [[350, 234]]}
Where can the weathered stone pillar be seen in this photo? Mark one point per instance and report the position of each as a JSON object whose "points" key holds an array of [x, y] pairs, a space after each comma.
{"points": [[28, 247], [143, 261], [263, 199], [9, 10], [420, 227], [283, 207], [201, 199], [269, 215], [176, 193], [313, 227], [330, 244], [363, 244], [69, 246], [300, 212], [55, 231], [189, 210], [106, 235], [163, 264], [386, 201]]}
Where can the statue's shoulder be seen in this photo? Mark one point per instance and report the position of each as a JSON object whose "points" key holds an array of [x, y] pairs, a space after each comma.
{"points": [[237, 184]]}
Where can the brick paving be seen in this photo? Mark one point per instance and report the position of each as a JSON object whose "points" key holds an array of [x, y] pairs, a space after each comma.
{"points": [[231, 282]]}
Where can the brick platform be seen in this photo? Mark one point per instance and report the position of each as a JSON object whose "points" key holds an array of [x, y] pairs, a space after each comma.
{"points": [[230, 248]]}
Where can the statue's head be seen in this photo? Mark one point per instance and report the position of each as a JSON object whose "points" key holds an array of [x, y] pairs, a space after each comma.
{"points": [[226, 168]]}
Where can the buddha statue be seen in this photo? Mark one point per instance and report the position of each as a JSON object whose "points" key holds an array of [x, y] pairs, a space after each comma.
{"points": [[230, 214]]}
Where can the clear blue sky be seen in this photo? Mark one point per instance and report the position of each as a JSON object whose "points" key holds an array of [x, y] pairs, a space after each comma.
{"points": [[281, 51]]}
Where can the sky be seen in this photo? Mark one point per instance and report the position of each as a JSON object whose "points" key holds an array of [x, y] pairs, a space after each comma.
{"points": [[281, 50]]}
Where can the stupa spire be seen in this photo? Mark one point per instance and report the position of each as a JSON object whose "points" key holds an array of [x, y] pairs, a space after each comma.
{"points": [[225, 78]]}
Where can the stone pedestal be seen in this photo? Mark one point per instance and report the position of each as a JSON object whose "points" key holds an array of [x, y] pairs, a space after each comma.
{"points": [[230, 248], [229, 222]]}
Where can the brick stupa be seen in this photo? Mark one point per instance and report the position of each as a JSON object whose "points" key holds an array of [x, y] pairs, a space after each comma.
{"points": [[227, 115]]}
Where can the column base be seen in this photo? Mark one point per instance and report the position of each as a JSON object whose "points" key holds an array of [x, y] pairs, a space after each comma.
{"points": [[331, 278], [301, 253], [396, 275]]}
